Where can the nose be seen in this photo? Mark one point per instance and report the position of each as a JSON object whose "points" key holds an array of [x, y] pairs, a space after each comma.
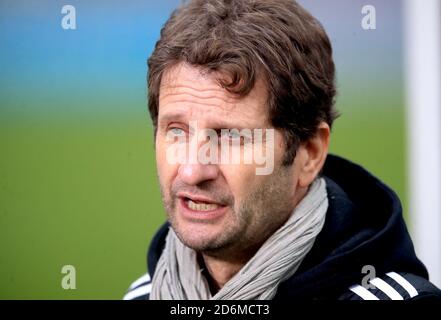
{"points": [[194, 174]]}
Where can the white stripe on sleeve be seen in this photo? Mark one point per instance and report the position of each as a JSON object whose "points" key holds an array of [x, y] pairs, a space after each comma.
{"points": [[138, 292], [404, 283], [141, 280], [386, 288], [363, 293]]}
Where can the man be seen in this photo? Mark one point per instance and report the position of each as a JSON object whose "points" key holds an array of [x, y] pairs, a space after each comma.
{"points": [[312, 226]]}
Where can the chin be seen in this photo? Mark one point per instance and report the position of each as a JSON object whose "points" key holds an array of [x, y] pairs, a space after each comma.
{"points": [[198, 237], [198, 244]]}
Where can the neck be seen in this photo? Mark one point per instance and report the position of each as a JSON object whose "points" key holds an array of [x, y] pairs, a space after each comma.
{"points": [[218, 271], [221, 267]]}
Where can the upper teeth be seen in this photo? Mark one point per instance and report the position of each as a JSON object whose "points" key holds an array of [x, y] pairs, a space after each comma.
{"points": [[201, 206]]}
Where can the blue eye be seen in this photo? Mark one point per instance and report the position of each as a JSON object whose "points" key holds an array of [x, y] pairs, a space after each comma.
{"points": [[236, 135], [232, 134], [177, 131]]}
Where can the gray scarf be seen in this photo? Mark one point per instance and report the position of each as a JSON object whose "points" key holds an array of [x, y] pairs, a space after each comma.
{"points": [[179, 277]]}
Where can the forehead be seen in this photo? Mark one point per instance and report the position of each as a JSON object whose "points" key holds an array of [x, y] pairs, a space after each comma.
{"points": [[189, 93]]}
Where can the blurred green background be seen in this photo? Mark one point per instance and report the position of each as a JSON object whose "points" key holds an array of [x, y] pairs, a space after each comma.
{"points": [[77, 171]]}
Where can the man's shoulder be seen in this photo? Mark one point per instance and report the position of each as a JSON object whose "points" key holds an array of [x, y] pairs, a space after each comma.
{"points": [[140, 288], [394, 286]]}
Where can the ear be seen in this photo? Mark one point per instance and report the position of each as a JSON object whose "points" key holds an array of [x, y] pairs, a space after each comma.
{"points": [[313, 155]]}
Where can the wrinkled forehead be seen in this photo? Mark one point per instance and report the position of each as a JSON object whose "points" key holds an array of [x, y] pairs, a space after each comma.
{"points": [[196, 95]]}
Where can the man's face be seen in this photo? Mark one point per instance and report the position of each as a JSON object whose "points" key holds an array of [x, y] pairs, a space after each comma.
{"points": [[219, 208]]}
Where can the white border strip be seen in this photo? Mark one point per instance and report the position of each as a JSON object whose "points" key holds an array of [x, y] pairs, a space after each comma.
{"points": [[422, 26]]}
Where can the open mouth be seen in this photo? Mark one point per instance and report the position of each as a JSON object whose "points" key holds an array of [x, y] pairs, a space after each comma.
{"points": [[199, 207]]}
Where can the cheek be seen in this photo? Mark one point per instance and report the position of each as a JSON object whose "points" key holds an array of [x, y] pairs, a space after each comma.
{"points": [[159, 153], [166, 171], [279, 147], [241, 180]]}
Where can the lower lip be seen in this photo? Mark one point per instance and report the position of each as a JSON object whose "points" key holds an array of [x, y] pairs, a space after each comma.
{"points": [[200, 215]]}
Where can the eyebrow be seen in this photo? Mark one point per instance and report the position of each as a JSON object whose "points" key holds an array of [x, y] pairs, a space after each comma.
{"points": [[172, 116], [214, 123]]}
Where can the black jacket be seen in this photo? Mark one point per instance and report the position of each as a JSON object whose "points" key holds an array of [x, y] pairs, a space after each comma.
{"points": [[364, 226]]}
